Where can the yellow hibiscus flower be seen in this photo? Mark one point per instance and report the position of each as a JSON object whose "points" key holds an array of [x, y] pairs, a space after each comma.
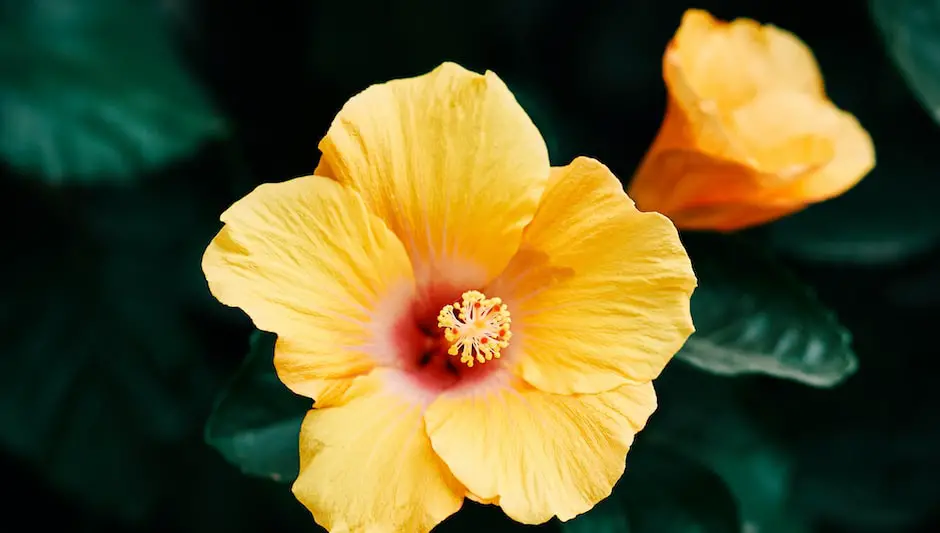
{"points": [[470, 322]]}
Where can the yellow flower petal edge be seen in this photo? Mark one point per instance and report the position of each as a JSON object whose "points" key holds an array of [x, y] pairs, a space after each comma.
{"points": [[749, 134], [541, 455], [450, 161], [306, 260], [599, 291], [850, 154], [368, 466], [731, 63]]}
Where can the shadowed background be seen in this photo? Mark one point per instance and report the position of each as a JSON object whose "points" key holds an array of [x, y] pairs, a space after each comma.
{"points": [[807, 404]]}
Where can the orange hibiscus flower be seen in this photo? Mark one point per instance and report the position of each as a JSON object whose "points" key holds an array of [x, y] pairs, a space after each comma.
{"points": [[749, 135]]}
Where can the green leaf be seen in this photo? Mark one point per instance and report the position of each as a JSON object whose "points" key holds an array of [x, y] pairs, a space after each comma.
{"points": [[917, 289], [667, 493], [92, 91], [662, 492], [889, 217], [753, 317], [609, 516], [101, 374], [256, 422], [911, 32], [710, 420], [887, 483]]}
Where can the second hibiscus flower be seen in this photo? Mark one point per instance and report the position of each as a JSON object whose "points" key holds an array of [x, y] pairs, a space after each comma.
{"points": [[470, 322], [749, 135]]}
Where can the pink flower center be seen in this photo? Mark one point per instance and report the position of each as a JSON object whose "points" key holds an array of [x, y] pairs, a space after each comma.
{"points": [[451, 338]]}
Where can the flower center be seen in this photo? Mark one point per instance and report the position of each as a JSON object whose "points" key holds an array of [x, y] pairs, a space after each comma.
{"points": [[476, 327]]}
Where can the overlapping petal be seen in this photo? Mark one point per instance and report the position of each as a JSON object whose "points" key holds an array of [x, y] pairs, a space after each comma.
{"points": [[599, 292], [449, 161], [729, 64], [834, 150], [541, 455], [366, 464], [306, 260]]}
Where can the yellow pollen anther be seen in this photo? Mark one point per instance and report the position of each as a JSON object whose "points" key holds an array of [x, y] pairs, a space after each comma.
{"points": [[476, 327]]}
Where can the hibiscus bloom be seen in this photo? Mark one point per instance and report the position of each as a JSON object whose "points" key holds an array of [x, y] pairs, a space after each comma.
{"points": [[470, 322], [749, 135]]}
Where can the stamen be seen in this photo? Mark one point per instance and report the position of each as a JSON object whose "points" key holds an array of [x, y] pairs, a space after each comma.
{"points": [[476, 327]]}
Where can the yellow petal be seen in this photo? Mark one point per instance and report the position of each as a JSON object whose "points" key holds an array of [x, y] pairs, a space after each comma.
{"points": [[541, 454], [785, 134], [848, 156], [367, 465], [305, 259], [485, 501], [731, 216], [450, 161], [599, 292], [727, 64], [327, 392], [698, 191], [674, 178]]}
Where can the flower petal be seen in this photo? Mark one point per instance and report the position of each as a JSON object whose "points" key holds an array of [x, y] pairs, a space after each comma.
{"points": [[829, 149], [816, 150], [450, 161], [304, 259], [599, 292], [731, 216], [675, 178], [730, 63], [540, 454], [327, 392], [367, 465], [699, 191]]}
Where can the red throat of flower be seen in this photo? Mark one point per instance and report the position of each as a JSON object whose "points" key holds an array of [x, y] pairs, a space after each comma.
{"points": [[452, 339]]}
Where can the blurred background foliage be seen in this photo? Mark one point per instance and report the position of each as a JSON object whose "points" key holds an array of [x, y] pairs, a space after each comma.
{"points": [[805, 403]]}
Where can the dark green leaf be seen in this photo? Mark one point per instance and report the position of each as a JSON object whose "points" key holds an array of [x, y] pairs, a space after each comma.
{"points": [[706, 418], [101, 374], [256, 423], [887, 483], [92, 90], [911, 32], [609, 516], [888, 217], [662, 492], [752, 317], [158, 229], [666, 493], [919, 289]]}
